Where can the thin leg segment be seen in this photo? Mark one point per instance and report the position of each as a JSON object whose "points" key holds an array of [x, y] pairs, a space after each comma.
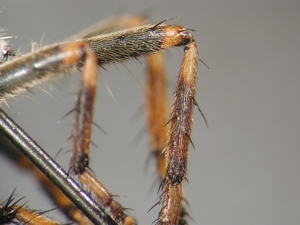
{"points": [[181, 117], [105, 198], [156, 109], [179, 134], [84, 112]]}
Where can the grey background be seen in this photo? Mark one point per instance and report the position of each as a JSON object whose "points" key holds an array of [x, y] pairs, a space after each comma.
{"points": [[245, 169]]}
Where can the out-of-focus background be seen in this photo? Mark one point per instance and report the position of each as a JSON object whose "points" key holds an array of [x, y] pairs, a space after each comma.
{"points": [[245, 166]]}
